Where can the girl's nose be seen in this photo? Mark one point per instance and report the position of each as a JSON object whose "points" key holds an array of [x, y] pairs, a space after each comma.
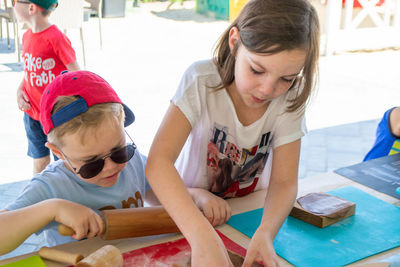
{"points": [[267, 86]]}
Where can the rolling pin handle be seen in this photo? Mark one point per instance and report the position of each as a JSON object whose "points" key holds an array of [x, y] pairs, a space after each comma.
{"points": [[65, 230], [59, 255]]}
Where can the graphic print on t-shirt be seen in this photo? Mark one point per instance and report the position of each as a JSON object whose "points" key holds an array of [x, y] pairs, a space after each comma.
{"points": [[38, 72], [395, 148], [132, 202], [232, 170]]}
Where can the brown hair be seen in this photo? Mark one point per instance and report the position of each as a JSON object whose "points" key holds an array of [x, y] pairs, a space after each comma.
{"points": [[45, 12], [86, 121], [268, 27]]}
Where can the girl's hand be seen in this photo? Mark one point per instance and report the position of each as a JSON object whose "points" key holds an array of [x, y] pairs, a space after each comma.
{"points": [[22, 100], [214, 208], [210, 252], [261, 250], [83, 220]]}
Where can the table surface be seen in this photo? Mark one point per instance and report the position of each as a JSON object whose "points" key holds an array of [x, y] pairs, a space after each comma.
{"points": [[318, 183]]}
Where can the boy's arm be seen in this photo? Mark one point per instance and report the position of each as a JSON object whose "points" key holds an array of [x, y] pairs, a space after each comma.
{"points": [[22, 99], [395, 121], [282, 192], [207, 247], [84, 221], [73, 66], [16, 227]]}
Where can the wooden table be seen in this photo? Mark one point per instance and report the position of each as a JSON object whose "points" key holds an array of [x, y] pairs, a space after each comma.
{"points": [[318, 183]]}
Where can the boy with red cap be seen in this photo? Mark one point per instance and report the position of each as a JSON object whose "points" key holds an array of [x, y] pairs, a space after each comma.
{"points": [[46, 51], [99, 166]]}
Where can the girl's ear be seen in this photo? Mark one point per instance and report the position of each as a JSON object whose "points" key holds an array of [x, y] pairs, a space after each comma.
{"points": [[233, 38], [55, 150]]}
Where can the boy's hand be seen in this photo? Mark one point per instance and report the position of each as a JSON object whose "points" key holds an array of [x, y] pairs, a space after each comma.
{"points": [[83, 220], [22, 100], [216, 209], [261, 250]]}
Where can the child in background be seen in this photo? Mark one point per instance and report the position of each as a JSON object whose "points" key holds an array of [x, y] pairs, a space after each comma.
{"points": [[387, 140], [84, 119], [46, 52], [249, 103]]}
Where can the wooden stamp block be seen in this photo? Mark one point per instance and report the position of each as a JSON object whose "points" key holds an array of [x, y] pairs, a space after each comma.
{"points": [[322, 209]]}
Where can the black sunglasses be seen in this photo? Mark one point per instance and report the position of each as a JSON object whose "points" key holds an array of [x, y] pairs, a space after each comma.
{"points": [[18, 1], [91, 169]]}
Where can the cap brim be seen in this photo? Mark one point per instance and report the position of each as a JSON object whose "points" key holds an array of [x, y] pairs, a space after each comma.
{"points": [[129, 116]]}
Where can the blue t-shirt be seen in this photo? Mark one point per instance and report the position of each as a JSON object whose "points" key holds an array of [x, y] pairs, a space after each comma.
{"points": [[386, 143], [56, 181]]}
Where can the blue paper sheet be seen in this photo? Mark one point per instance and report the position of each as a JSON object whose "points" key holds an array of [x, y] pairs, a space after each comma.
{"points": [[373, 229]]}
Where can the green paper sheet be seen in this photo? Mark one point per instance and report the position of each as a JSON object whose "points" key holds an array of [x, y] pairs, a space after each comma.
{"points": [[33, 261]]}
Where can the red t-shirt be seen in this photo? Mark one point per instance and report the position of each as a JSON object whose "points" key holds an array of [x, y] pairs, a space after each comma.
{"points": [[45, 56]]}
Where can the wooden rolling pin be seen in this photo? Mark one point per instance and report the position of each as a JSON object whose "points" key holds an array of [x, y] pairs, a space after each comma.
{"points": [[133, 222], [103, 257], [59, 255]]}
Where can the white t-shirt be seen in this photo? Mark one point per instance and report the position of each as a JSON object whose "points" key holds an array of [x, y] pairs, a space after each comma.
{"points": [[220, 154]]}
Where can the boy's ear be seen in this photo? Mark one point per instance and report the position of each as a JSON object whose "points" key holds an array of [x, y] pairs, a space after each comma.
{"points": [[55, 150], [233, 38], [33, 9]]}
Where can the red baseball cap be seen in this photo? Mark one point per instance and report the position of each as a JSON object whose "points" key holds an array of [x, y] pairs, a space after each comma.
{"points": [[90, 87]]}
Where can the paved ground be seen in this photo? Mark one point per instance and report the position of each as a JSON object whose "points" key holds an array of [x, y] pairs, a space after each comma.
{"points": [[144, 56]]}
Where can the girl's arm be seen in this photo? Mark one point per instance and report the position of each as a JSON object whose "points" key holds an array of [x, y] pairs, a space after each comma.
{"points": [[207, 247], [282, 192], [151, 198], [18, 225], [215, 208]]}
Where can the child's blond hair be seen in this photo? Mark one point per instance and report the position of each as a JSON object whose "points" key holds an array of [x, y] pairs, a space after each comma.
{"points": [[87, 121]]}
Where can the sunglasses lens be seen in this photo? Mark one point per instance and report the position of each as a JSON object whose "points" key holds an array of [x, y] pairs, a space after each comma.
{"points": [[91, 169], [123, 155]]}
